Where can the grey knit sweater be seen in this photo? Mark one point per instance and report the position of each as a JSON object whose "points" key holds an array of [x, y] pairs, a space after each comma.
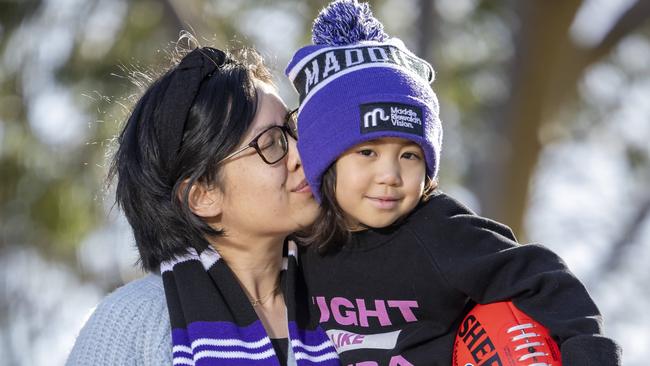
{"points": [[129, 327]]}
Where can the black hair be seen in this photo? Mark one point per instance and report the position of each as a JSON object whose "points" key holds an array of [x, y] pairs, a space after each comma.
{"points": [[149, 189], [330, 232]]}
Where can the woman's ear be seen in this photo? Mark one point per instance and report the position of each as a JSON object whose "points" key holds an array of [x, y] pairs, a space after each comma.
{"points": [[204, 201]]}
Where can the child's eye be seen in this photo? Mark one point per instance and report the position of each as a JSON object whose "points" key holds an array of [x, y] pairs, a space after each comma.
{"points": [[366, 152], [411, 156]]}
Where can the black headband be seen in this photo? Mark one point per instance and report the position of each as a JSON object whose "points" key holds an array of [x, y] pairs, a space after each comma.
{"points": [[179, 97]]}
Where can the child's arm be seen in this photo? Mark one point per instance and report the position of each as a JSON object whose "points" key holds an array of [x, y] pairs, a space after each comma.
{"points": [[481, 258]]}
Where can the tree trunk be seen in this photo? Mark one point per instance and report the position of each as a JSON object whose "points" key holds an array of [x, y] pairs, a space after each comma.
{"points": [[543, 34]]}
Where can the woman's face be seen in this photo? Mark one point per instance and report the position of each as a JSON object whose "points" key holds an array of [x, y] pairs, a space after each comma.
{"points": [[262, 200]]}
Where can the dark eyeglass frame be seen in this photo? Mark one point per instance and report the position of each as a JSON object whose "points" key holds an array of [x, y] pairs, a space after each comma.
{"points": [[289, 127]]}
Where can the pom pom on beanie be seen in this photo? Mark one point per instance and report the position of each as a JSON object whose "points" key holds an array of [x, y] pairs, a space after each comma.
{"points": [[346, 22]]}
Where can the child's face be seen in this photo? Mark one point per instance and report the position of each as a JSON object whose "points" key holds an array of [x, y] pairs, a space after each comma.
{"points": [[379, 181]]}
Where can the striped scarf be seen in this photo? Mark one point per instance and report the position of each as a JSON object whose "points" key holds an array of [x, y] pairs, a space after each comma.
{"points": [[214, 323]]}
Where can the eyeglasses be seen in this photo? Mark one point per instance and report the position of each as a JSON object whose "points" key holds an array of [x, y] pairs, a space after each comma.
{"points": [[271, 144]]}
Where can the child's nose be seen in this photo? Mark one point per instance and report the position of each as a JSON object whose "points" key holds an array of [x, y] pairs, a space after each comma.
{"points": [[389, 174]]}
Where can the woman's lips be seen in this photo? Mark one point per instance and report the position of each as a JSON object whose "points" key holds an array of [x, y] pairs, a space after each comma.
{"points": [[302, 187]]}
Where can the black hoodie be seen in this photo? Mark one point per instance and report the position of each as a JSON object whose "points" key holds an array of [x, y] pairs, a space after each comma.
{"points": [[395, 296]]}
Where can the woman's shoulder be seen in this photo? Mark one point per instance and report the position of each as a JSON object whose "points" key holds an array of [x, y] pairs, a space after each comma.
{"points": [[129, 326], [148, 289], [144, 294]]}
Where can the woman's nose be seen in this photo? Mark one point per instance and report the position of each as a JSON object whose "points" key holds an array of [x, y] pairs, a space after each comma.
{"points": [[293, 158]]}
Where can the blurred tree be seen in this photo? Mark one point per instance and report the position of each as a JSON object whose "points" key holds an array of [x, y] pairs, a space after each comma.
{"points": [[545, 71], [542, 76]]}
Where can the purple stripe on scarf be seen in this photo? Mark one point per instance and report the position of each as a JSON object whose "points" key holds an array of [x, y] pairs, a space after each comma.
{"points": [[233, 348], [253, 333], [309, 337], [179, 337], [181, 354], [235, 355], [312, 338]]}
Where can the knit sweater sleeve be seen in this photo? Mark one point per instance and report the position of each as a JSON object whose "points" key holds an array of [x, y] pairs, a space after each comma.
{"points": [[129, 327], [480, 258]]}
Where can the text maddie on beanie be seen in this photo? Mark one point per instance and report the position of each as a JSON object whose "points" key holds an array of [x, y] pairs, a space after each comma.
{"points": [[325, 65]]}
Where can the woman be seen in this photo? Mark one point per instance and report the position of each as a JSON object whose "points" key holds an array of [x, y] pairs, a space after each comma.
{"points": [[210, 181]]}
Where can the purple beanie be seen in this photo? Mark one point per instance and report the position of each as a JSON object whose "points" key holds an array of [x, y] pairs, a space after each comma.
{"points": [[356, 84]]}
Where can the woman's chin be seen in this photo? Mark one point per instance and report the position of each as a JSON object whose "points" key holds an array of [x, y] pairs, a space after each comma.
{"points": [[306, 214]]}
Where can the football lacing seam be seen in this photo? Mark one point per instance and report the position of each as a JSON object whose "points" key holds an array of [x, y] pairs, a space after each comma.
{"points": [[530, 355], [525, 336], [526, 345], [519, 327]]}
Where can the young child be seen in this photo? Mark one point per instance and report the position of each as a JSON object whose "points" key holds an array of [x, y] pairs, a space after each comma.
{"points": [[394, 265]]}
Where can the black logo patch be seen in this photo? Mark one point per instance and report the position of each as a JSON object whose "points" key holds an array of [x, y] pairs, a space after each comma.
{"points": [[391, 117]]}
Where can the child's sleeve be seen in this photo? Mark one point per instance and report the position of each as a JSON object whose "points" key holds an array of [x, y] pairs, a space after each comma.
{"points": [[481, 258]]}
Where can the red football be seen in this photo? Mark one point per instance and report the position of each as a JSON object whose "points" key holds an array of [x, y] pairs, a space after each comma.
{"points": [[499, 334]]}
